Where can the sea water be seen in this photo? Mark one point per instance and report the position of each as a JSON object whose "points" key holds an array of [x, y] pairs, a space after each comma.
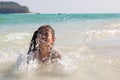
{"points": [[90, 46]]}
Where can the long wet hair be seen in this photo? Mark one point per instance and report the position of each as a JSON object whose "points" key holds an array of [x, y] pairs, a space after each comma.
{"points": [[41, 31]]}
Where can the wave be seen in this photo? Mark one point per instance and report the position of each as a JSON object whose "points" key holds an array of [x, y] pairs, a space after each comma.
{"points": [[112, 25], [100, 34], [16, 36], [72, 64], [65, 65], [115, 25], [92, 34]]}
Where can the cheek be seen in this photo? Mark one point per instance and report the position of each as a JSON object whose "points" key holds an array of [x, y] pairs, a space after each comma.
{"points": [[51, 39]]}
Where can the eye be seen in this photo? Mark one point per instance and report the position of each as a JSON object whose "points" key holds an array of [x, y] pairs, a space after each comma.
{"points": [[39, 35], [46, 34]]}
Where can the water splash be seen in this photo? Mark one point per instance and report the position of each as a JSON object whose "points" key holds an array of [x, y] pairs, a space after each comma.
{"points": [[65, 65]]}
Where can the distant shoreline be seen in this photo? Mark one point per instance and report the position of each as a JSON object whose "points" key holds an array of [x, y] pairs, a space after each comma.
{"points": [[9, 7], [66, 13]]}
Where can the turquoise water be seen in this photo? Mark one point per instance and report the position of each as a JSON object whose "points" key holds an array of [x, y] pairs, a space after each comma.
{"points": [[51, 18], [90, 45], [18, 22], [34, 20]]}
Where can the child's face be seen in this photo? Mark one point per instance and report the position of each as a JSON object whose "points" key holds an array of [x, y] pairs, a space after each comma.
{"points": [[46, 37]]}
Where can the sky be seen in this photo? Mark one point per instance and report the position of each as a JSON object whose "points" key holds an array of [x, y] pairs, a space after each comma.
{"points": [[71, 6]]}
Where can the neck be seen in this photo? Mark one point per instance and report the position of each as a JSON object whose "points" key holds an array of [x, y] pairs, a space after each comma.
{"points": [[44, 52]]}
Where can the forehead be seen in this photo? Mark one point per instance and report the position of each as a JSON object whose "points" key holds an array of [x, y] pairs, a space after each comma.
{"points": [[44, 30]]}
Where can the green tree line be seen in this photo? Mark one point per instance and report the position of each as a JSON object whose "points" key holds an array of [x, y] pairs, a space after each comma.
{"points": [[12, 7]]}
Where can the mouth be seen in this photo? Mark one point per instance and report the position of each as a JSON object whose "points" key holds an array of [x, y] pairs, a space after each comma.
{"points": [[44, 46]]}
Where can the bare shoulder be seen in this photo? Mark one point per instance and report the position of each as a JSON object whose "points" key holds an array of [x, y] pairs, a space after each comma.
{"points": [[55, 53]]}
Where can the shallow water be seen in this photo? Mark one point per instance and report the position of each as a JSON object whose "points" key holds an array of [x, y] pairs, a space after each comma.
{"points": [[90, 46]]}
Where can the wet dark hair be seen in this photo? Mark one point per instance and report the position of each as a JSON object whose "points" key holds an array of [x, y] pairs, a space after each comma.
{"points": [[45, 28], [41, 31]]}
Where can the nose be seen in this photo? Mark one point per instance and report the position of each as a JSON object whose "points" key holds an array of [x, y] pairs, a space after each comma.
{"points": [[43, 38]]}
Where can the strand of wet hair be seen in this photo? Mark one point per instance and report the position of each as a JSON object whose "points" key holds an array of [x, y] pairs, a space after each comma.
{"points": [[33, 43]]}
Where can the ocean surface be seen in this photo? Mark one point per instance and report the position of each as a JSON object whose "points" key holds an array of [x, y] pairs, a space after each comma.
{"points": [[90, 46]]}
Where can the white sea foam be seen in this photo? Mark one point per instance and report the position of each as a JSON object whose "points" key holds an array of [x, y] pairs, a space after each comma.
{"points": [[100, 34], [115, 25], [4, 57], [16, 36], [112, 25]]}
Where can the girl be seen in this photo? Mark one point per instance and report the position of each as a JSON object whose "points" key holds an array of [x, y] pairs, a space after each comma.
{"points": [[41, 47]]}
